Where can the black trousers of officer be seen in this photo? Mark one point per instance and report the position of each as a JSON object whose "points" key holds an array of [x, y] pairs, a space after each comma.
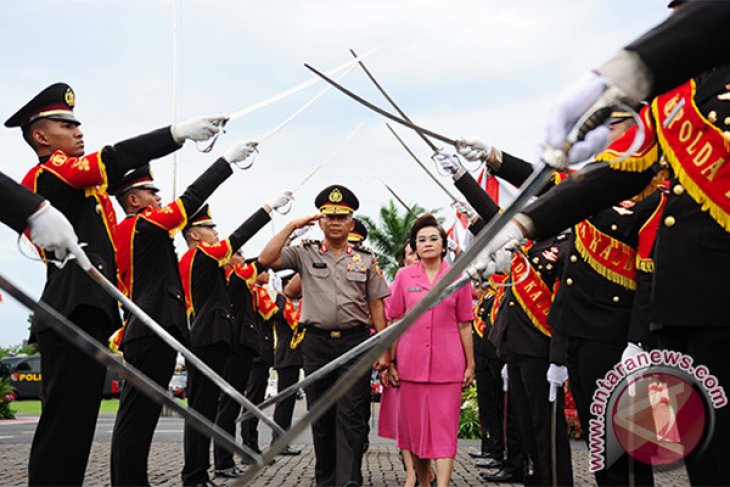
{"points": [[138, 414], [72, 387], [237, 370], [203, 397], [341, 433], [708, 346], [284, 410], [588, 361], [528, 388], [258, 379], [491, 405]]}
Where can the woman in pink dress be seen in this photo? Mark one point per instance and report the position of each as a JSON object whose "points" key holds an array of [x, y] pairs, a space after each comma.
{"points": [[433, 360]]}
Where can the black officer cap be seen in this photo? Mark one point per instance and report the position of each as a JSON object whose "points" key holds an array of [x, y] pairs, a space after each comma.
{"points": [[55, 102], [676, 3], [358, 233], [140, 178], [201, 218], [336, 200]]}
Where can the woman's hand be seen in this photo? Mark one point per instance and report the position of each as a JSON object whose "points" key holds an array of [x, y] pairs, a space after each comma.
{"points": [[468, 377], [393, 378]]}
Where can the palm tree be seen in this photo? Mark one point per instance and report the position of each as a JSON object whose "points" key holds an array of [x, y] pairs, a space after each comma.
{"points": [[389, 237]]}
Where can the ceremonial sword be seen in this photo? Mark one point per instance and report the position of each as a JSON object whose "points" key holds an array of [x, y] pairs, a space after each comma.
{"points": [[134, 378], [170, 340], [403, 203], [388, 336]]}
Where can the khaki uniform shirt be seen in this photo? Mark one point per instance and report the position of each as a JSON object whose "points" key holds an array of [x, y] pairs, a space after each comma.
{"points": [[335, 291]]}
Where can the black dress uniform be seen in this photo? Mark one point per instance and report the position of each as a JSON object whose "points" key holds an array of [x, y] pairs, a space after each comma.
{"points": [[244, 349], [76, 187], [150, 276], [692, 244], [287, 358], [211, 330], [337, 291], [264, 309], [16, 204]]}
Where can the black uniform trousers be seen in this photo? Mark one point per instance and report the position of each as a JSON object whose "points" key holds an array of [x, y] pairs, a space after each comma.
{"points": [[258, 379], [341, 433], [284, 410], [490, 400], [588, 361], [707, 346], [237, 370], [138, 414], [528, 391], [203, 397], [72, 387]]}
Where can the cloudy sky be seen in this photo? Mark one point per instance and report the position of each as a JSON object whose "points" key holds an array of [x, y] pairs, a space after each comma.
{"points": [[481, 68]]}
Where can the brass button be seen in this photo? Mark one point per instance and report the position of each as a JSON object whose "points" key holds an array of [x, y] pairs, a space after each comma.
{"points": [[569, 282], [669, 221], [614, 227], [535, 260], [615, 299], [98, 209], [678, 189], [100, 267], [335, 334], [511, 303], [573, 259], [540, 266], [712, 116]]}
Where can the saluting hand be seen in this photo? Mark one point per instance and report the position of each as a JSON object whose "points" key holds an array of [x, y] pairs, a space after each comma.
{"points": [[306, 221]]}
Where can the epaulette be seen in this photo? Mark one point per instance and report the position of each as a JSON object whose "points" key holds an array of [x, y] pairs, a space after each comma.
{"points": [[363, 248], [308, 242]]}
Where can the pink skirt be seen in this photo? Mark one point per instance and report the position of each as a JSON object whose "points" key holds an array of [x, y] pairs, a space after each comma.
{"points": [[428, 418], [388, 416]]}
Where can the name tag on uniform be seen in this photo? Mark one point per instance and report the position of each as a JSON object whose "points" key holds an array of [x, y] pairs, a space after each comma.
{"points": [[415, 289], [319, 265]]}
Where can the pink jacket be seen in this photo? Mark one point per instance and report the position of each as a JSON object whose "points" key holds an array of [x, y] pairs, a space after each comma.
{"points": [[430, 350]]}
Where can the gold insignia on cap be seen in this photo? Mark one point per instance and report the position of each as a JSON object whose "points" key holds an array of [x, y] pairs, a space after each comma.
{"points": [[335, 195], [70, 98]]}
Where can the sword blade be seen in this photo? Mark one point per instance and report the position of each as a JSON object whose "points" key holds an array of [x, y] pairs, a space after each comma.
{"points": [[423, 166], [190, 357], [84, 342], [301, 109], [403, 203], [297, 88], [392, 102], [388, 336], [380, 111]]}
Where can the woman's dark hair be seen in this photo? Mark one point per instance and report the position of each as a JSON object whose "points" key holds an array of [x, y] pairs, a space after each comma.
{"points": [[424, 221]]}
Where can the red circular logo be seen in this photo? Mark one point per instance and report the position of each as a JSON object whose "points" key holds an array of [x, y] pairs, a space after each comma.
{"points": [[659, 418]]}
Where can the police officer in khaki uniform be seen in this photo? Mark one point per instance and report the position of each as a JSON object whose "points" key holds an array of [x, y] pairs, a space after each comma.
{"points": [[343, 291]]}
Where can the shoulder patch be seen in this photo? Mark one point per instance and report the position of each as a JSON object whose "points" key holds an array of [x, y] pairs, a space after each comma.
{"points": [[308, 242], [363, 248]]}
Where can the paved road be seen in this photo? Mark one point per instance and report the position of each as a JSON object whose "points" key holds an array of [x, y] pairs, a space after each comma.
{"points": [[381, 466]]}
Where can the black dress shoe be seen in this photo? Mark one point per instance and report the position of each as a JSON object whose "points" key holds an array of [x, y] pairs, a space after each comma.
{"points": [[501, 476], [490, 463], [232, 472], [290, 451], [478, 454]]}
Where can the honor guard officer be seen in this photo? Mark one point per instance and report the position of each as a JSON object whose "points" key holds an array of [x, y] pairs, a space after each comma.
{"points": [[359, 233], [76, 185], [149, 275], [211, 319], [343, 291]]}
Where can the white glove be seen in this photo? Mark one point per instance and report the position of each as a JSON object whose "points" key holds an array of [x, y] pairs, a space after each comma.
{"points": [[505, 378], [282, 200], [571, 106], [452, 245], [299, 232], [449, 162], [631, 351], [50, 230], [198, 128], [275, 282], [464, 209], [556, 377], [473, 150], [240, 152], [497, 255]]}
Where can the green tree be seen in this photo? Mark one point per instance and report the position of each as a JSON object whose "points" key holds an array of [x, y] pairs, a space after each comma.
{"points": [[390, 234]]}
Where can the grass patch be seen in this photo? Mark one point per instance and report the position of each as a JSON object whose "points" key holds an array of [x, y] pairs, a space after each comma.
{"points": [[34, 406]]}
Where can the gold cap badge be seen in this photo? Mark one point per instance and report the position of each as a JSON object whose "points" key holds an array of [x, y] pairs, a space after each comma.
{"points": [[69, 97], [335, 196]]}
